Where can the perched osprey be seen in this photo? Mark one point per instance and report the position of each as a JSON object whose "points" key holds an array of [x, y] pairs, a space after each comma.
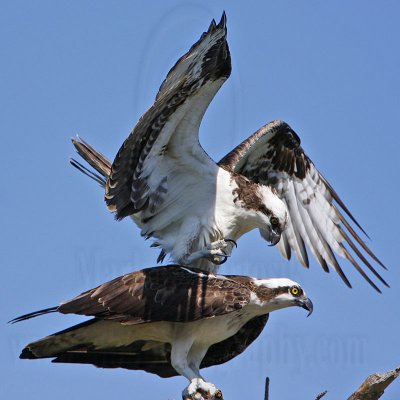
{"points": [[167, 320], [195, 209]]}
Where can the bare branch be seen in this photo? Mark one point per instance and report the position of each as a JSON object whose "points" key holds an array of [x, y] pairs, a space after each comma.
{"points": [[321, 395], [375, 385], [266, 397], [372, 388]]}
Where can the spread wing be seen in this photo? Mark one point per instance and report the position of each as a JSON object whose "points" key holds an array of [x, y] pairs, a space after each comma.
{"points": [[171, 293], [162, 156], [318, 219]]}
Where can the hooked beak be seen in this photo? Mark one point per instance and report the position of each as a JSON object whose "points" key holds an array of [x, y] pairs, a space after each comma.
{"points": [[307, 305], [274, 237]]}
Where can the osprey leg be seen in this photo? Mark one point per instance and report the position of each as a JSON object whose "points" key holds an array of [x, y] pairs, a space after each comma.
{"points": [[213, 251], [186, 358], [179, 358]]}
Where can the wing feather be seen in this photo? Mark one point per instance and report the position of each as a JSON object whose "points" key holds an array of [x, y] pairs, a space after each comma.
{"points": [[170, 293], [283, 245], [312, 235], [165, 140], [273, 156], [297, 226]]}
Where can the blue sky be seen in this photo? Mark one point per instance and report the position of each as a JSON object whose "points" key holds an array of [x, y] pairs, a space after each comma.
{"points": [[328, 68]]}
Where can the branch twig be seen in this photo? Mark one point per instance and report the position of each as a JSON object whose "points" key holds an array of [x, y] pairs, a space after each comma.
{"points": [[321, 395], [266, 397]]}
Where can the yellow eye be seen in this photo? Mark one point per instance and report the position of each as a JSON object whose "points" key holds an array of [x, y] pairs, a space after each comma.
{"points": [[274, 221], [294, 291]]}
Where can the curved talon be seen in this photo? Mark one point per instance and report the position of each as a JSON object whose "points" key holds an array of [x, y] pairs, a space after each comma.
{"points": [[201, 390], [225, 256], [232, 241], [222, 262]]}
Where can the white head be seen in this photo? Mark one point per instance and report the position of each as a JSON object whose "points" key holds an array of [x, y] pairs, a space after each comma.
{"points": [[274, 215], [277, 293]]}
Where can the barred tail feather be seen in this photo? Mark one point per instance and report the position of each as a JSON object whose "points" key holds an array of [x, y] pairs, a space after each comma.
{"points": [[96, 160]]}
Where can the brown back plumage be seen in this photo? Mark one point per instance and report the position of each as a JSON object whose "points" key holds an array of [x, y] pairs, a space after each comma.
{"points": [[171, 293]]}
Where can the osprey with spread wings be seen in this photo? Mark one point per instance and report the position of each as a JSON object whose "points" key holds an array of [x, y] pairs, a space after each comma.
{"points": [[194, 208]]}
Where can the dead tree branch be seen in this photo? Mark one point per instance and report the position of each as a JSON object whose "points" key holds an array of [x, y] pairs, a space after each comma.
{"points": [[375, 385], [372, 388]]}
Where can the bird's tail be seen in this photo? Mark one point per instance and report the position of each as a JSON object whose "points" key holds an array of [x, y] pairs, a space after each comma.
{"points": [[33, 314], [67, 340], [59, 342], [96, 160]]}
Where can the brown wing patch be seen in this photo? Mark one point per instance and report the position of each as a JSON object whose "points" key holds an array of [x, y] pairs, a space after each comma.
{"points": [[169, 293], [281, 153], [219, 55]]}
